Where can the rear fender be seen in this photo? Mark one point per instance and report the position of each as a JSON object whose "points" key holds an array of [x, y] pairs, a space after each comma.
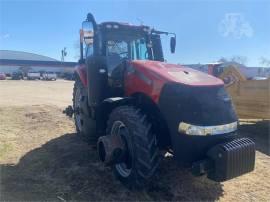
{"points": [[81, 72], [110, 103], [107, 107]]}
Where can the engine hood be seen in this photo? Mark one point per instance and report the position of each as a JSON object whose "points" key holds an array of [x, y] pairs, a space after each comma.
{"points": [[176, 73]]}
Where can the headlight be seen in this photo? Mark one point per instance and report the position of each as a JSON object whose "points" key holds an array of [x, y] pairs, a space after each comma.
{"points": [[190, 129]]}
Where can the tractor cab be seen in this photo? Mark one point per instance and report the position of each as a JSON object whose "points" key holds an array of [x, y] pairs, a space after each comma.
{"points": [[118, 44], [123, 43]]}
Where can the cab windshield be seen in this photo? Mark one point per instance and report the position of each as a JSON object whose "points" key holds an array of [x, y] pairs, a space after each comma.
{"points": [[127, 46]]}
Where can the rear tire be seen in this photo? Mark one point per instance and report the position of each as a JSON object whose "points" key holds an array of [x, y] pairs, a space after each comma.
{"points": [[85, 126], [143, 154]]}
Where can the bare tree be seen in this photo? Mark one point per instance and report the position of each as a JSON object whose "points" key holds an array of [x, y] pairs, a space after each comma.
{"points": [[223, 59], [239, 59], [265, 61]]}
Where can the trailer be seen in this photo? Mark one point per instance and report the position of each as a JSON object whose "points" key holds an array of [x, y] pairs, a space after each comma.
{"points": [[251, 97]]}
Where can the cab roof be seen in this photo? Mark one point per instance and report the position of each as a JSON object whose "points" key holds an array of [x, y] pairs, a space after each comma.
{"points": [[123, 25]]}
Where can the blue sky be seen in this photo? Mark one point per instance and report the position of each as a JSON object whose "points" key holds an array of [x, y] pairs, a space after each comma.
{"points": [[206, 30]]}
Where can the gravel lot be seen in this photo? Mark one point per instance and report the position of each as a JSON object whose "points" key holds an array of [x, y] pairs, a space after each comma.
{"points": [[41, 157]]}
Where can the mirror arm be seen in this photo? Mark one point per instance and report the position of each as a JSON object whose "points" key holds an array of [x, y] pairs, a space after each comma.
{"points": [[162, 32], [90, 18]]}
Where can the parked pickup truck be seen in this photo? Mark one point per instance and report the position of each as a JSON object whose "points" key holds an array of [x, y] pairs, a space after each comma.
{"points": [[17, 75], [33, 75], [49, 76]]}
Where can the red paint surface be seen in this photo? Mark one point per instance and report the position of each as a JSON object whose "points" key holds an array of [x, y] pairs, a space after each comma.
{"points": [[177, 73], [159, 73], [81, 71], [149, 77]]}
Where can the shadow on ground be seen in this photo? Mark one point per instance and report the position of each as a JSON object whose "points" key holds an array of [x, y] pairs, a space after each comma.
{"points": [[259, 131], [66, 168]]}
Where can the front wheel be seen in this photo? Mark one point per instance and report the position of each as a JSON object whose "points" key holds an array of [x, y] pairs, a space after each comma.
{"points": [[142, 155]]}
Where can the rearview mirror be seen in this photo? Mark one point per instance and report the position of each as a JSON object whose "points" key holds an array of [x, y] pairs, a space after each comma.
{"points": [[88, 32], [173, 44]]}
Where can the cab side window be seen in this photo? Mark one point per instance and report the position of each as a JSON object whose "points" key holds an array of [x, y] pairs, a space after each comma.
{"points": [[116, 51]]}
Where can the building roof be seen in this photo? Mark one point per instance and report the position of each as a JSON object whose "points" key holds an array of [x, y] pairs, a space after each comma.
{"points": [[20, 58], [20, 55]]}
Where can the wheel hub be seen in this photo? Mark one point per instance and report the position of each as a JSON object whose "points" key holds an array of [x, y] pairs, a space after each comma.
{"points": [[124, 167], [114, 149]]}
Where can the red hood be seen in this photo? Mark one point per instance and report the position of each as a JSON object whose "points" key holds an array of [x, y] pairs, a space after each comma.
{"points": [[176, 73]]}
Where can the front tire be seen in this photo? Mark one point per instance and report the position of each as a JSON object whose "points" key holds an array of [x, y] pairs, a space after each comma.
{"points": [[142, 158]]}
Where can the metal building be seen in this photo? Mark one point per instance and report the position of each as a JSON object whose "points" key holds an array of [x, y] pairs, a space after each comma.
{"points": [[11, 61]]}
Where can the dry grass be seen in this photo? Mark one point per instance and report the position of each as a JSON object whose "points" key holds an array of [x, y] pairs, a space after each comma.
{"points": [[41, 158]]}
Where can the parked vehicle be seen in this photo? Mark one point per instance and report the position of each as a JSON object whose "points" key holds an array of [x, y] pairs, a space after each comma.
{"points": [[68, 76], [33, 75], [49, 76], [8, 75], [133, 105], [2, 76], [17, 76]]}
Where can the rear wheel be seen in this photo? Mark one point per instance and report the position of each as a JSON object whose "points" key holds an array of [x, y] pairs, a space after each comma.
{"points": [[142, 155], [85, 126]]}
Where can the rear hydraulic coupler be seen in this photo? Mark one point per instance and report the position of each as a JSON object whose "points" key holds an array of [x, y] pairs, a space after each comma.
{"points": [[69, 111]]}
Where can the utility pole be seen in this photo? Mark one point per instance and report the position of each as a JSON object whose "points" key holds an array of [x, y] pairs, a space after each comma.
{"points": [[63, 54]]}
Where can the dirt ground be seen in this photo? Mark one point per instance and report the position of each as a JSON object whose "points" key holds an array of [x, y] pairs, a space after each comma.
{"points": [[42, 159]]}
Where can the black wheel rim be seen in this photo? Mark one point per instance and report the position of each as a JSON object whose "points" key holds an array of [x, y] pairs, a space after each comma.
{"points": [[124, 168]]}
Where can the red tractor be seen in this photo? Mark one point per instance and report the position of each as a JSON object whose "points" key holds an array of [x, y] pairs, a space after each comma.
{"points": [[135, 106]]}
